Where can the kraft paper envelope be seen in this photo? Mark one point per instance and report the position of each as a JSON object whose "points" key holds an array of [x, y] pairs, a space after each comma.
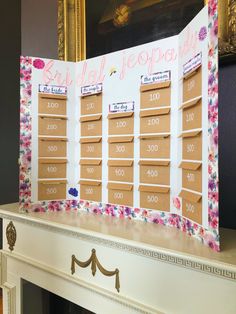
{"points": [[191, 206], [90, 190], [52, 147], [155, 146], [91, 169], [120, 170], [52, 168], [52, 125], [91, 125], [91, 104], [192, 145], [91, 147], [121, 147], [192, 84], [192, 114], [52, 104], [51, 190], [154, 197], [155, 120], [154, 172], [155, 95], [120, 194], [191, 175], [121, 123]]}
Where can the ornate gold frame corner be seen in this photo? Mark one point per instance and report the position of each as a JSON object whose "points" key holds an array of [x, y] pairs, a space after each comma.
{"points": [[72, 29], [227, 28]]}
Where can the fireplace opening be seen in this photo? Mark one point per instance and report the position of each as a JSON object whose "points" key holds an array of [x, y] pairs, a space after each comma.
{"points": [[37, 300]]}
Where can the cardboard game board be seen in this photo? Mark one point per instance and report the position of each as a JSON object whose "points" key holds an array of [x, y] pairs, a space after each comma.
{"points": [[132, 134]]}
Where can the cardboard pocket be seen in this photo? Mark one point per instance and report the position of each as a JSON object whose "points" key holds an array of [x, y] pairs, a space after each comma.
{"points": [[90, 190], [91, 104], [154, 172], [192, 175], [191, 206], [155, 197], [192, 145], [91, 169], [52, 147], [52, 168], [192, 84], [52, 190], [120, 194], [121, 123], [120, 170], [52, 104], [155, 95], [91, 125], [52, 126], [121, 147], [155, 146], [91, 147], [192, 114], [155, 121]]}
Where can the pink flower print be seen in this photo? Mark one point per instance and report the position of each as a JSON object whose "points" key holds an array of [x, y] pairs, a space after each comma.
{"points": [[137, 210], [201, 231], [38, 64], [214, 223], [211, 157], [107, 210], [210, 241], [213, 115], [121, 214], [171, 221], [195, 226], [27, 91], [26, 159], [67, 206], [144, 213], [25, 60], [51, 206], [176, 202], [209, 169], [214, 196]]}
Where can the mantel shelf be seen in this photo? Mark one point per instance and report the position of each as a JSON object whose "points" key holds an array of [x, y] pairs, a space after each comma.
{"points": [[135, 236]]}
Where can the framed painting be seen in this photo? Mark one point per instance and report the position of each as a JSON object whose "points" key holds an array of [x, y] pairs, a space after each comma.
{"points": [[87, 28]]}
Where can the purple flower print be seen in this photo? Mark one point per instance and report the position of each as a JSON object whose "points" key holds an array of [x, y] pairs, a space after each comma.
{"points": [[73, 192], [211, 79], [127, 211], [211, 185], [202, 33]]}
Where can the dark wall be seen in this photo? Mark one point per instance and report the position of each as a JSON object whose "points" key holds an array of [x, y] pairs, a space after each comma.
{"points": [[227, 145], [39, 28], [9, 99]]}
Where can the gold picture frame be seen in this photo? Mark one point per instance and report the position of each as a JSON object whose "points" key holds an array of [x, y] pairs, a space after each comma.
{"points": [[72, 29]]}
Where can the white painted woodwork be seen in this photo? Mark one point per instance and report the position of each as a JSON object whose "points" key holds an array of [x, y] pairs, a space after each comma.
{"points": [[162, 270]]}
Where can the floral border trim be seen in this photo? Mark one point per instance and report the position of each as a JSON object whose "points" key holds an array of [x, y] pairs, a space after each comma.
{"points": [[209, 236], [25, 133]]}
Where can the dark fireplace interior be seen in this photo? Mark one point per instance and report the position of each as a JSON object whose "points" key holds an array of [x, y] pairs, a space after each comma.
{"points": [[40, 301]]}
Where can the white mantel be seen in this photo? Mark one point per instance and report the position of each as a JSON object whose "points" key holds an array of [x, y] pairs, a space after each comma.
{"points": [[161, 269]]}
